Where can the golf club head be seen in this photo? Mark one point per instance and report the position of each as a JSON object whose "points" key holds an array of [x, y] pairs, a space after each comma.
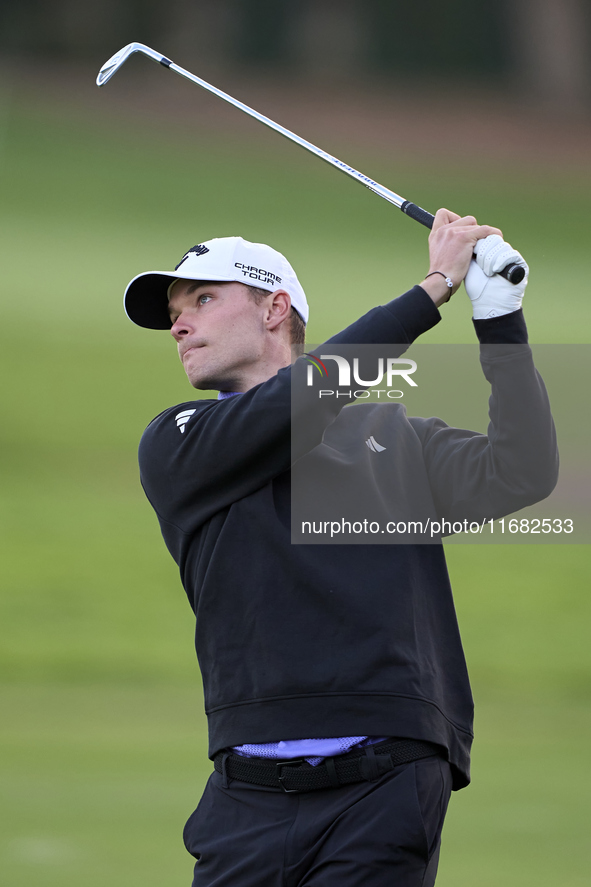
{"points": [[115, 62]]}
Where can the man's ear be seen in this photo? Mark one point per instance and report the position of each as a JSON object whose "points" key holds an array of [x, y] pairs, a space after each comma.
{"points": [[279, 309]]}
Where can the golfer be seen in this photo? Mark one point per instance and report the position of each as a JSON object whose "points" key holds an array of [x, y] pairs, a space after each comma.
{"points": [[336, 691]]}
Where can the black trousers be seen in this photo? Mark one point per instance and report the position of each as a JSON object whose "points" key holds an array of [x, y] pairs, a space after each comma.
{"points": [[370, 834]]}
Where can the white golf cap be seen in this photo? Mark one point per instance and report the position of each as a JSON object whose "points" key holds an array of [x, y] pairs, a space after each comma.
{"points": [[222, 259]]}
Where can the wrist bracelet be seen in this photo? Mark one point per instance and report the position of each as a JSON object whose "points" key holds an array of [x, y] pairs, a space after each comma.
{"points": [[447, 279]]}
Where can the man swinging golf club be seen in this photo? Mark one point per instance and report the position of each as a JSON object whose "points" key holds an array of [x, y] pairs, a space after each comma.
{"points": [[337, 697]]}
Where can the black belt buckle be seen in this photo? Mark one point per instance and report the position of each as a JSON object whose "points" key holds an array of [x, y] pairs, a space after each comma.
{"points": [[281, 777]]}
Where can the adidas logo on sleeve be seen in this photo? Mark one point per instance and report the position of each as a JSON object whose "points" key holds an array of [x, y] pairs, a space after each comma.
{"points": [[182, 419]]}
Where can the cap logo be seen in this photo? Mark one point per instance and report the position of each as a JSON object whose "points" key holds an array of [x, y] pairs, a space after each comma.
{"points": [[199, 250]]}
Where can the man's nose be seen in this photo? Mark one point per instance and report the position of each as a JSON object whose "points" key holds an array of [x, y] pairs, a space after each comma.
{"points": [[182, 327]]}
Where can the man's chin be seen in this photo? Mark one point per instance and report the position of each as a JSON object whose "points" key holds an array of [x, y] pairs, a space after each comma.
{"points": [[199, 378], [208, 383], [208, 378], [204, 384]]}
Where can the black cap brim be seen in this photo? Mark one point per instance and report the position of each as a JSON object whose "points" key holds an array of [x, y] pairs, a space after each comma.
{"points": [[146, 300]]}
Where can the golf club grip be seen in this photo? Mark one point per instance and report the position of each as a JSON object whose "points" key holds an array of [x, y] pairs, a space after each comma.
{"points": [[513, 273]]}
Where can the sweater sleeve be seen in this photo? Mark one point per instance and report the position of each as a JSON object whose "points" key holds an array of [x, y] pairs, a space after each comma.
{"points": [[479, 477], [227, 449]]}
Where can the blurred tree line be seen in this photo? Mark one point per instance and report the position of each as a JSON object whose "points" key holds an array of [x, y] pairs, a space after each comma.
{"points": [[539, 48]]}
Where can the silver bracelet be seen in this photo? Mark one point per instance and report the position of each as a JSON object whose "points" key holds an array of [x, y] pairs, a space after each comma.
{"points": [[448, 280]]}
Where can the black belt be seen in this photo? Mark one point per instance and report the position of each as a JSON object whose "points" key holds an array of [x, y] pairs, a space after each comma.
{"points": [[367, 763]]}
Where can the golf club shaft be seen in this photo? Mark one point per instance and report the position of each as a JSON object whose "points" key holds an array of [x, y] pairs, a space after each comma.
{"points": [[514, 273]]}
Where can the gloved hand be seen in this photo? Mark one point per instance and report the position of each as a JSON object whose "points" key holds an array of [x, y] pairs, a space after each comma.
{"points": [[491, 294]]}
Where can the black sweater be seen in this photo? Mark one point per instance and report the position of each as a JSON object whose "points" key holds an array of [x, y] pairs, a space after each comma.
{"points": [[296, 641]]}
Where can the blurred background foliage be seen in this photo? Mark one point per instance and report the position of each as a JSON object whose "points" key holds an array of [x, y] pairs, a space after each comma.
{"points": [[483, 109], [539, 48]]}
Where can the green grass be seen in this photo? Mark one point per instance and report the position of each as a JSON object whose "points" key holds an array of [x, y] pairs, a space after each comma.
{"points": [[99, 780], [103, 739], [524, 820]]}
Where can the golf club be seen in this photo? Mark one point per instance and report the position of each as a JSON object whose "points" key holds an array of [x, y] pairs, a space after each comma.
{"points": [[513, 273]]}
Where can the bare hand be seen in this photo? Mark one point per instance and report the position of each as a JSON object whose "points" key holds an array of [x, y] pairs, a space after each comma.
{"points": [[451, 245]]}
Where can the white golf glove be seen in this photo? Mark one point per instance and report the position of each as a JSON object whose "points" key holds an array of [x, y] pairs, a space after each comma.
{"points": [[491, 294]]}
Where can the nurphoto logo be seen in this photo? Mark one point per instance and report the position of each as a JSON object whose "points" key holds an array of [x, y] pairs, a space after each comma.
{"points": [[388, 369]]}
